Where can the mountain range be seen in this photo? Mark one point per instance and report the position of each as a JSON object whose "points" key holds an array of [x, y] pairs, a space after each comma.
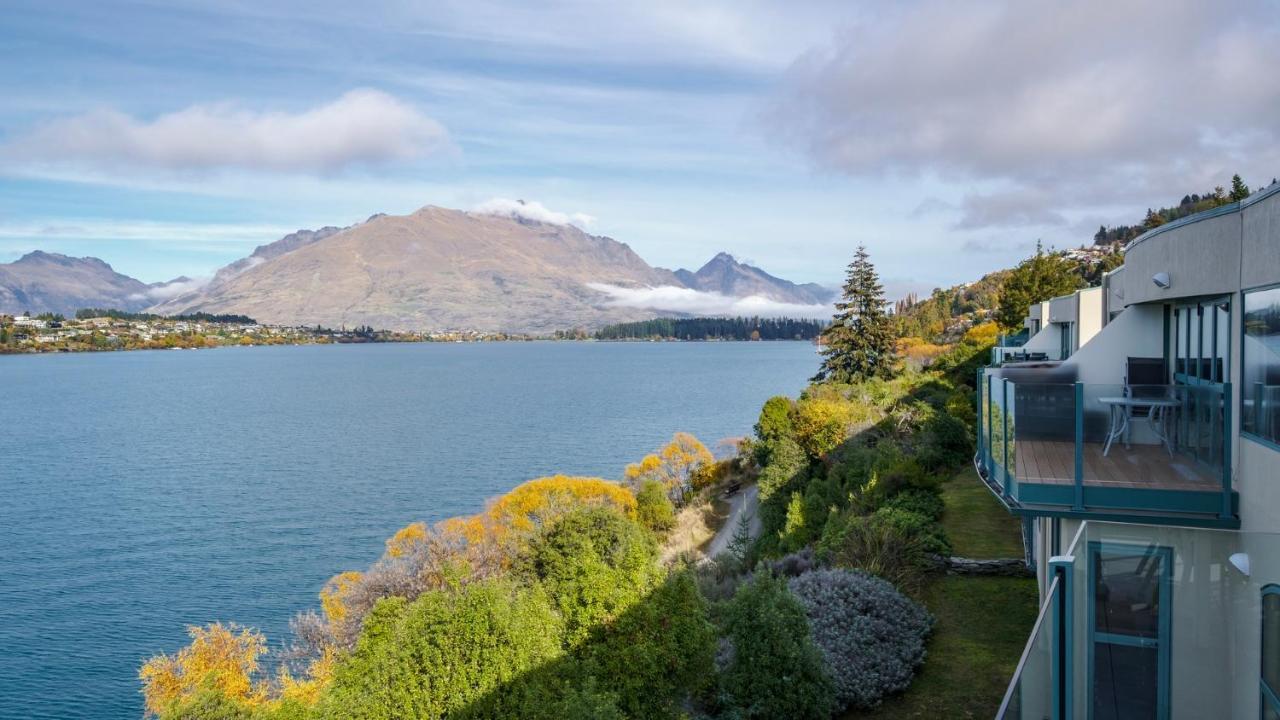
{"points": [[434, 269]]}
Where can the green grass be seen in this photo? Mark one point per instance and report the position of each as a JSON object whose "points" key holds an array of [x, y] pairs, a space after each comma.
{"points": [[978, 525], [982, 626], [982, 622]]}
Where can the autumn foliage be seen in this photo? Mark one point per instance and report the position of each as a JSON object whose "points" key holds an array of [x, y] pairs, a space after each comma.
{"points": [[220, 657], [683, 466]]}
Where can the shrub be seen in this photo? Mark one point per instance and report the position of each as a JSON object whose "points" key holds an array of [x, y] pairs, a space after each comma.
{"points": [[775, 419], [933, 539], [822, 423], [772, 669], [946, 442], [653, 508], [794, 564], [657, 654], [891, 472], [872, 638], [924, 502], [595, 564], [443, 651], [866, 542]]}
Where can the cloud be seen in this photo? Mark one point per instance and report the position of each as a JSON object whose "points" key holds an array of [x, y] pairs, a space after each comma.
{"points": [[531, 210], [161, 292], [669, 298], [1047, 100], [361, 128]]}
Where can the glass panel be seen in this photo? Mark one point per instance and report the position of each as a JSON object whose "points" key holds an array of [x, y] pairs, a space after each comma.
{"points": [[1030, 694], [1044, 418], [1126, 595], [1260, 383], [1271, 640], [1124, 681]]}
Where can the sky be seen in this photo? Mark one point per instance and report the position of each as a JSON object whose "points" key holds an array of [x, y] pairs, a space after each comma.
{"points": [[172, 137]]}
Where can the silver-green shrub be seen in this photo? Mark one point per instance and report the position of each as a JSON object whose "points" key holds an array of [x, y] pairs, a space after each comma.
{"points": [[872, 637]]}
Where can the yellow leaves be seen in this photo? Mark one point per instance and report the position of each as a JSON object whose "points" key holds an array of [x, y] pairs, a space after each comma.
{"points": [[984, 334], [333, 595], [220, 657], [307, 691], [533, 503], [678, 465], [405, 538], [821, 423]]}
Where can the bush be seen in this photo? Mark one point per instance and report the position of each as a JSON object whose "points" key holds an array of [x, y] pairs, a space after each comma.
{"points": [[595, 564], [933, 539], [872, 638], [653, 508], [946, 442], [924, 502], [772, 669], [869, 543], [443, 651], [822, 423], [775, 419]]}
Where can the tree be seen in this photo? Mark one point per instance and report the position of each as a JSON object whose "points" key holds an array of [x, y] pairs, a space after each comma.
{"points": [[1036, 279], [1239, 191], [220, 658], [653, 508], [682, 465], [860, 342]]}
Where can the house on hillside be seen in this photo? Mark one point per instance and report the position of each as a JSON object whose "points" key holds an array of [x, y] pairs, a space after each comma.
{"points": [[1144, 459]]}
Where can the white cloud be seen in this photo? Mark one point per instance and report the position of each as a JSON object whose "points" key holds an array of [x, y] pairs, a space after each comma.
{"points": [[531, 210], [1049, 103], [170, 290], [188, 236], [669, 298], [361, 128]]}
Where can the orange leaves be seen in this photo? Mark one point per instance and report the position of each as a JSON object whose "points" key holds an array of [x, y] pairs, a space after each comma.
{"points": [[307, 691], [677, 465], [536, 502], [405, 538], [333, 595], [221, 657]]}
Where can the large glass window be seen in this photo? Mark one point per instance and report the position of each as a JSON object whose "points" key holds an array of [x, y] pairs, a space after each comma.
{"points": [[1260, 383], [1129, 624], [1270, 653]]}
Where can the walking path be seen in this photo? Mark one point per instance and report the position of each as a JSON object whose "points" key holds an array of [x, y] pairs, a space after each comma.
{"points": [[745, 501]]}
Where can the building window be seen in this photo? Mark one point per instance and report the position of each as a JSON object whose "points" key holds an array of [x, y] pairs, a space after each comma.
{"points": [[1260, 381], [1129, 631], [1270, 684]]}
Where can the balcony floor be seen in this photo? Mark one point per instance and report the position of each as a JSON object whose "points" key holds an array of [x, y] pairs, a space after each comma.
{"points": [[1141, 466]]}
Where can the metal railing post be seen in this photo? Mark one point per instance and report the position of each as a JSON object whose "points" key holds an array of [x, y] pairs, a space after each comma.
{"points": [[1079, 476], [1226, 513], [977, 395], [1004, 415], [1063, 664]]}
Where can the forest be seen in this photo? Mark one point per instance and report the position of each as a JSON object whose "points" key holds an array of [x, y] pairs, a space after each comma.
{"points": [[740, 328]]}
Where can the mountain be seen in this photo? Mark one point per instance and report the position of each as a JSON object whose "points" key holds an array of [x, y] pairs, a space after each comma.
{"points": [[725, 275], [40, 282], [435, 269]]}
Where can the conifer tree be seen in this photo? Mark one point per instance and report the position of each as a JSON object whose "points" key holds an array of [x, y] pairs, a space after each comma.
{"points": [[860, 342], [1239, 191]]}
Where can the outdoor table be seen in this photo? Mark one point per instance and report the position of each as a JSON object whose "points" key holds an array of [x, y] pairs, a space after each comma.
{"points": [[1157, 415]]}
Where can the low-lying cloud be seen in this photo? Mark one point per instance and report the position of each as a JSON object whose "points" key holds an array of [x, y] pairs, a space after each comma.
{"points": [[361, 128], [686, 301], [172, 289], [531, 210], [1044, 104]]}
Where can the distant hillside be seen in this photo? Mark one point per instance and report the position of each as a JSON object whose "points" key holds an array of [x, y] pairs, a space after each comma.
{"points": [[714, 329], [725, 275], [1189, 205], [41, 282]]}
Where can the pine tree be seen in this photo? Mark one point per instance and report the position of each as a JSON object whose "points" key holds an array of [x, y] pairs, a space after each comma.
{"points": [[1239, 190], [860, 342]]}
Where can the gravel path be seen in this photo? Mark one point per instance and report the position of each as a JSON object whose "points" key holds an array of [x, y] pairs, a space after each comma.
{"points": [[744, 501]]}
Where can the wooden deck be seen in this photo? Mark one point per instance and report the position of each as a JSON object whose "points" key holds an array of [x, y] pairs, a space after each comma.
{"points": [[1141, 466]]}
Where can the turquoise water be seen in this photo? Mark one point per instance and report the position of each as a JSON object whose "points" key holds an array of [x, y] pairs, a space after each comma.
{"points": [[144, 491]]}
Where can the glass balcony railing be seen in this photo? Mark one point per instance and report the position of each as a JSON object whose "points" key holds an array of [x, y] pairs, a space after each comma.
{"points": [[1083, 447], [1015, 340], [1150, 621]]}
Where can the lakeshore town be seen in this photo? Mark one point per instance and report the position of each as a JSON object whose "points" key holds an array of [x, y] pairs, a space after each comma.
{"points": [[113, 330]]}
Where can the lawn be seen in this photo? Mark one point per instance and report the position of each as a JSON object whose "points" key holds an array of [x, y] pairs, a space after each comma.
{"points": [[978, 525], [982, 622]]}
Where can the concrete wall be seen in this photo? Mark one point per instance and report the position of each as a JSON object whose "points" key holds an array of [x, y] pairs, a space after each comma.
{"points": [[1201, 258], [1089, 304], [1047, 341], [1260, 249], [1112, 294], [1063, 309], [1136, 332]]}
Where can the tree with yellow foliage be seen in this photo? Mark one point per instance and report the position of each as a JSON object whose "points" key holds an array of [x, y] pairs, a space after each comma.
{"points": [[221, 658], [682, 466]]}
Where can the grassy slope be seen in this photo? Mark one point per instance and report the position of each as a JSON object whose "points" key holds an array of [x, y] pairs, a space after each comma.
{"points": [[983, 623]]}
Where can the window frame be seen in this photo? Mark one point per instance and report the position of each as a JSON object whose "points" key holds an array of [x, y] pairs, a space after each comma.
{"points": [[1260, 440], [1267, 697]]}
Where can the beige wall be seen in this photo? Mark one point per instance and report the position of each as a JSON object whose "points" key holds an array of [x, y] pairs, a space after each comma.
{"points": [[1089, 304], [1202, 258], [1260, 252]]}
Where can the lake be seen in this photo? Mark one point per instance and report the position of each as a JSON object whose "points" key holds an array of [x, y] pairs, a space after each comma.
{"points": [[141, 492]]}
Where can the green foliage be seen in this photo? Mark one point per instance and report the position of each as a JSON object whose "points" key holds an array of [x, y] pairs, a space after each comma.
{"points": [[932, 538], [1239, 191], [822, 422], [946, 442], [928, 503], [932, 318], [876, 545], [741, 328], [208, 705], [775, 419], [435, 655], [1038, 278], [653, 508], [773, 669], [595, 564], [861, 340]]}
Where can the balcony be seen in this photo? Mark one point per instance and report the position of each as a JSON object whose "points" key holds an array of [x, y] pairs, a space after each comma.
{"points": [[1146, 621], [1150, 453]]}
